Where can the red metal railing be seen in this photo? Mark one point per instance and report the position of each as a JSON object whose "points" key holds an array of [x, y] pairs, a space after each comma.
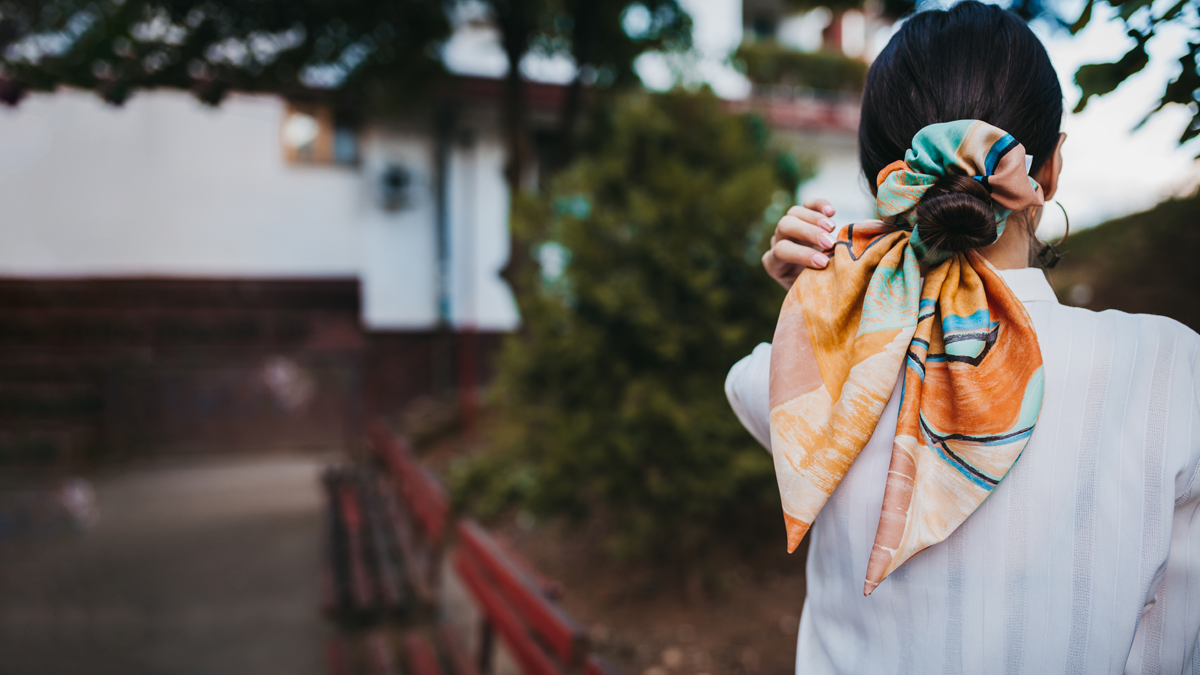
{"points": [[422, 493], [386, 534], [516, 590]]}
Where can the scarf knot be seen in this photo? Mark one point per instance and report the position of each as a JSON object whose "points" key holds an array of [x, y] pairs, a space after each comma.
{"points": [[963, 343], [992, 157]]}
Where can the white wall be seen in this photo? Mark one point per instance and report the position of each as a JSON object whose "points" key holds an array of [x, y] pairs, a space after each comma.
{"points": [[479, 233], [166, 186], [399, 248]]}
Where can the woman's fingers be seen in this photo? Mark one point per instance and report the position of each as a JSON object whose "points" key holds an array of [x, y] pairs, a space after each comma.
{"points": [[802, 232], [808, 215], [821, 206], [789, 252]]}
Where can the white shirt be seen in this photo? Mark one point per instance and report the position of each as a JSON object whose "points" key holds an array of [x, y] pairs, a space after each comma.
{"points": [[1086, 557]]}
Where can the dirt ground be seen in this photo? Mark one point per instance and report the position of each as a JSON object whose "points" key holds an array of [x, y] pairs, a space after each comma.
{"points": [[202, 566], [736, 618], [736, 613]]}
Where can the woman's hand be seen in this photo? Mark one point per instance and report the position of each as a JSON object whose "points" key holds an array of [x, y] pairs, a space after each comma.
{"points": [[801, 240]]}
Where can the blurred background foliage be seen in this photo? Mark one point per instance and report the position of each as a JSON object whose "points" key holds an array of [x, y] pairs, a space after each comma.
{"points": [[390, 51], [611, 400], [212, 47], [768, 62], [1142, 263], [1144, 21]]}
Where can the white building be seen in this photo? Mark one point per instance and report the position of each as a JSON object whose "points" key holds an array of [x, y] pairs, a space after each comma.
{"points": [[167, 186], [134, 210]]}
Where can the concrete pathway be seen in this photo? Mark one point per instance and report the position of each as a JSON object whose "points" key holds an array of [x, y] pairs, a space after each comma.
{"points": [[205, 567]]}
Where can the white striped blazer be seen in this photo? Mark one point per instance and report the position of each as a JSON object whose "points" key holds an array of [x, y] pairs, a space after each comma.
{"points": [[1086, 557]]}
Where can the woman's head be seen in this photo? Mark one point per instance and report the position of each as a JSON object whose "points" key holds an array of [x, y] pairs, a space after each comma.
{"points": [[971, 62]]}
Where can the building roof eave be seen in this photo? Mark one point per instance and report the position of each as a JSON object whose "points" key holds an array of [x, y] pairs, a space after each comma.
{"points": [[802, 113]]}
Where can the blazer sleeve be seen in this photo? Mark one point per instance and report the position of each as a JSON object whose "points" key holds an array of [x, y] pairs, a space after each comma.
{"points": [[1168, 635], [1184, 560], [748, 388]]}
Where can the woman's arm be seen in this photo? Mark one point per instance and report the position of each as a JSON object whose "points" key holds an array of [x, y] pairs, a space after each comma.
{"points": [[748, 388], [798, 242]]}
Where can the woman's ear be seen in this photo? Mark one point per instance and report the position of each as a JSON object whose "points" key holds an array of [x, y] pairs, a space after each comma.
{"points": [[1047, 176]]}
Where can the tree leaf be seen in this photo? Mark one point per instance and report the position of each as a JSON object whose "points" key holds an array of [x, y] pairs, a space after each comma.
{"points": [[1129, 7], [1097, 79], [1173, 12], [1183, 89], [1084, 17]]}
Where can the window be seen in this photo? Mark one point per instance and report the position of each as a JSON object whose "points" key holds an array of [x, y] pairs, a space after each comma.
{"points": [[315, 135]]}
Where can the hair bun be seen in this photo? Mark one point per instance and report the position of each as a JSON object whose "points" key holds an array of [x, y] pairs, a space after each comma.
{"points": [[956, 215]]}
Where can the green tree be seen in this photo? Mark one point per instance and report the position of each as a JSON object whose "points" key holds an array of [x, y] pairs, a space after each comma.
{"points": [[765, 62], [302, 48], [649, 290], [603, 38], [1143, 21]]}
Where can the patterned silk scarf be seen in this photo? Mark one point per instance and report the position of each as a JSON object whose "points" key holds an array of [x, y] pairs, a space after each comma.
{"points": [[972, 366]]}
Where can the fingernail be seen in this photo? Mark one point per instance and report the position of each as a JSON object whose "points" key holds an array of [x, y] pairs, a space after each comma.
{"points": [[825, 241], [820, 260], [827, 224], [828, 210]]}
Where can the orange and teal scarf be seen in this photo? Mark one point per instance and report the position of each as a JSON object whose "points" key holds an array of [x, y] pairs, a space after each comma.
{"points": [[972, 386]]}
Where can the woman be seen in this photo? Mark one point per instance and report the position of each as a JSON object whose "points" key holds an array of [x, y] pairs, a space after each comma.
{"points": [[1024, 497]]}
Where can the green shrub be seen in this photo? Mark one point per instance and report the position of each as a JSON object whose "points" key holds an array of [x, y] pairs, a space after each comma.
{"points": [[1143, 262], [769, 62], [611, 398]]}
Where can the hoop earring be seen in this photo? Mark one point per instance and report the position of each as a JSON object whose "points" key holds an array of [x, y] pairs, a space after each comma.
{"points": [[1050, 255]]}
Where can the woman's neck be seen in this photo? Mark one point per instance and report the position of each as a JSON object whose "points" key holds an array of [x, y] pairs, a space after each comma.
{"points": [[1011, 250]]}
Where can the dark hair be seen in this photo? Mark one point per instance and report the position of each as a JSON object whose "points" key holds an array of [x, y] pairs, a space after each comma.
{"points": [[971, 62], [956, 214]]}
